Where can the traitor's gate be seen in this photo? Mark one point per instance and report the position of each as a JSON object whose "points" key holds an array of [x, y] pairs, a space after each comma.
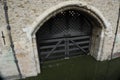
{"points": [[66, 34]]}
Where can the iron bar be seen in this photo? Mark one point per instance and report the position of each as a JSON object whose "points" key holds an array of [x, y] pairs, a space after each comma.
{"points": [[10, 37], [3, 38]]}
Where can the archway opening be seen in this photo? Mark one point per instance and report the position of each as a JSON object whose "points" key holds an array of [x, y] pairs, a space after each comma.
{"points": [[68, 33]]}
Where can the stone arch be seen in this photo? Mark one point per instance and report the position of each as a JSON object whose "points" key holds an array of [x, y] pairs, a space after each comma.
{"points": [[89, 10]]}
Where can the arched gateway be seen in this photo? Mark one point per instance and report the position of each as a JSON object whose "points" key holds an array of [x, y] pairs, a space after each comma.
{"points": [[68, 29], [64, 35]]}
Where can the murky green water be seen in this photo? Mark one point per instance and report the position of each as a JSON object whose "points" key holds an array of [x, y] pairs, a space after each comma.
{"points": [[79, 68]]}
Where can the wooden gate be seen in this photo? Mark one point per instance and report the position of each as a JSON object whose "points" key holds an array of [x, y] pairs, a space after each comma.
{"points": [[65, 35]]}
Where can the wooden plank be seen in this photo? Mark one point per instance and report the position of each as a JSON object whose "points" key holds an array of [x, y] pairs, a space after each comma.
{"points": [[62, 45], [60, 51], [53, 49], [78, 46], [80, 37], [57, 39]]}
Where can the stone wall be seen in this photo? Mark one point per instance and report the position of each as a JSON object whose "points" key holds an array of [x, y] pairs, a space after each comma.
{"points": [[22, 14]]}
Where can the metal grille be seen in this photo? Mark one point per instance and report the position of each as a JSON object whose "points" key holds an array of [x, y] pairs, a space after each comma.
{"points": [[65, 35]]}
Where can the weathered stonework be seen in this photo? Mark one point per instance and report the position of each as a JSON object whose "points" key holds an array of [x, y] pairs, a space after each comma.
{"points": [[26, 15]]}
